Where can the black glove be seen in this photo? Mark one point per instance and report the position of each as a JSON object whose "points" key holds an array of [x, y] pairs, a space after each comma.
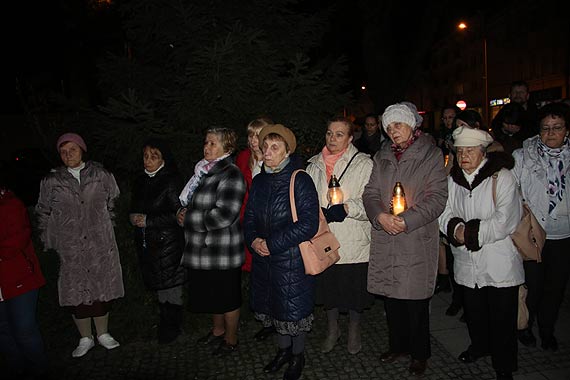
{"points": [[335, 213]]}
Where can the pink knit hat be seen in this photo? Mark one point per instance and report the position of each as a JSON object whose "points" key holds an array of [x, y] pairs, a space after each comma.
{"points": [[73, 137]]}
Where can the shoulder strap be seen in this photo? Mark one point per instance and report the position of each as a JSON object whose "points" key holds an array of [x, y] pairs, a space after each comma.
{"points": [[347, 165], [292, 194]]}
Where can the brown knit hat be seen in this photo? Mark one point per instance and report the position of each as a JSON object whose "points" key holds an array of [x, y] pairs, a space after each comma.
{"points": [[282, 131]]}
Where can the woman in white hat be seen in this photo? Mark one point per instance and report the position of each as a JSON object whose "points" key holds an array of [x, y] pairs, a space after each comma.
{"points": [[487, 264], [404, 247]]}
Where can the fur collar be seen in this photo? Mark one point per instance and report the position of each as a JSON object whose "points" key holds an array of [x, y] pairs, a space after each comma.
{"points": [[495, 162]]}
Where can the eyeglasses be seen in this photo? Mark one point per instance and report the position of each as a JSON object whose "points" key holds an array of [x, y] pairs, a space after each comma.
{"points": [[554, 129]]}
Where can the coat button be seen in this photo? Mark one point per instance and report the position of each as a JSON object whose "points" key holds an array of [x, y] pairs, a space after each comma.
{"points": [[84, 237]]}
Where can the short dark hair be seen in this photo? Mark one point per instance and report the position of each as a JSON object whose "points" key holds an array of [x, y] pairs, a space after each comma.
{"points": [[450, 107], [520, 83], [163, 147], [513, 113], [558, 109], [471, 117]]}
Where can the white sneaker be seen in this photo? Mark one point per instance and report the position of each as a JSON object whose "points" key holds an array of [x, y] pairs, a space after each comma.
{"points": [[85, 344], [107, 341]]}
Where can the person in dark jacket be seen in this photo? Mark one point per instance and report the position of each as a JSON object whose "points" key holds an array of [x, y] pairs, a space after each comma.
{"points": [[511, 127], [282, 294], [20, 279], [211, 202], [159, 239]]}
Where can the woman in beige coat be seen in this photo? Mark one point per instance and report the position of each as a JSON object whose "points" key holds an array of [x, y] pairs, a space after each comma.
{"points": [[343, 286], [404, 248]]}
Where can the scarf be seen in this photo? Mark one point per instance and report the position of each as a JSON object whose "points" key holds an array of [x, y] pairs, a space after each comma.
{"points": [[398, 151], [279, 167], [554, 159], [201, 168], [76, 172], [471, 177], [330, 160]]}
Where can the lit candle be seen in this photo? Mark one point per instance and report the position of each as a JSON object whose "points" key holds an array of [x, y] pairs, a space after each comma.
{"points": [[398, 199], [335, 195], [446, 159]]}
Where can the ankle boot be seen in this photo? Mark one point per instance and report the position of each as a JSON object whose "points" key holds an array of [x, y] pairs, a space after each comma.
{"points": [[354, 341], [296, 365], [282, 357], [332, 337]]}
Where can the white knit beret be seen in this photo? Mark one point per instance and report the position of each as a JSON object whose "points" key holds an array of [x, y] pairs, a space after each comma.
{"points": [[465, 136], [398, 113]]}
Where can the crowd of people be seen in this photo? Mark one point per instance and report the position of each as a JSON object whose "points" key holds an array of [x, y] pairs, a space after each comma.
{"points": [[232, 224]]}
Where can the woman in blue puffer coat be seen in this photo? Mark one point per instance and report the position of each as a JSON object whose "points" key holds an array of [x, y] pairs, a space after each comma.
{"points": [[282, 294]]}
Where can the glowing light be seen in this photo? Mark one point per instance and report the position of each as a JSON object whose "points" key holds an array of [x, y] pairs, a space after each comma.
{"points": [[462, 26], [461, 105]]}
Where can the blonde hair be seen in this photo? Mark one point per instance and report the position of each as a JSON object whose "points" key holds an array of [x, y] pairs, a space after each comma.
{"points": [[253, 128]]}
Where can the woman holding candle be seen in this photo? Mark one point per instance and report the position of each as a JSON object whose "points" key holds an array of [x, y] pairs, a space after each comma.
{"points": [[404, 247], [342, 288], [478, 220]]}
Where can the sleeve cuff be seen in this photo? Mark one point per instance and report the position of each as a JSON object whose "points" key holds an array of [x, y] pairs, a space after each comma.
{"points": [[451, 227], [472, 235]]}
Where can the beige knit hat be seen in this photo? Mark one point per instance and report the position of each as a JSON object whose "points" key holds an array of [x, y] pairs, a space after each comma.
{"points": [[282, 131], [398, 113]]}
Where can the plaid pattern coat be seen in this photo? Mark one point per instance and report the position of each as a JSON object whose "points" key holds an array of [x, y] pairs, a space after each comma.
{"points": [[214, 239]]}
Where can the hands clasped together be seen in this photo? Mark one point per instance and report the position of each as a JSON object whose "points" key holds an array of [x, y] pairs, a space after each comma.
{"points": [[260, 246], [392, 224]]}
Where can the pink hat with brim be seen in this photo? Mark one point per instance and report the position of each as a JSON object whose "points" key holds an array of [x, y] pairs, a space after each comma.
{"points": [[71, 137]]}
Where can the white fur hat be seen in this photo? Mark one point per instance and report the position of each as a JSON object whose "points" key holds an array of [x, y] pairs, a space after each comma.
{"points": [[398, 113], [465, 136]]}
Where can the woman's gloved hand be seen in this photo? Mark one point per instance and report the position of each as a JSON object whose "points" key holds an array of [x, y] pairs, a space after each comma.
{"points": [[335, 213]]}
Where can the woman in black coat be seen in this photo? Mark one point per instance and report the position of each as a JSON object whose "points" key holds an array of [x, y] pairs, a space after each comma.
{"points": [[282, 295], [158, 238]]}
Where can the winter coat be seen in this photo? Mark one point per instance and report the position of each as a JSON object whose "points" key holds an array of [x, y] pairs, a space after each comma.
{"points": [[19, 266], [161, 242], [404, 266], [353, 233], [488, 257], [76, 221], [530, 172], [242, 162], [212, 230], [369, 144], [279, 286]]}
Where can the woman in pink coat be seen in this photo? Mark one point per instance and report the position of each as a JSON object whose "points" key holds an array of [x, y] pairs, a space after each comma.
{"points": [[75, 212]]}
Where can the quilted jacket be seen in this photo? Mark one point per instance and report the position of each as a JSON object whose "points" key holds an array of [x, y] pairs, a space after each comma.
{"points": [[279, 286]]}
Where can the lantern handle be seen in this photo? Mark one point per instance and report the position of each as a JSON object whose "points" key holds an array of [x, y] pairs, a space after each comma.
{"points": [[347, 165]]}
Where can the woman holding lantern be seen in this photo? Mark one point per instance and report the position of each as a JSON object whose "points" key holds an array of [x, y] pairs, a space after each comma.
{"points": [[404, 246], [340, 173]]}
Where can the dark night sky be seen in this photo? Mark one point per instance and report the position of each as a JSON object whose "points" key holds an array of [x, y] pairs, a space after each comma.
{"points": [[43, 34]]}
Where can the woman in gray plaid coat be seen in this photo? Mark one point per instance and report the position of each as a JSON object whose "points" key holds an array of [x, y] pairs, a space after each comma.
{"points": [[214, 253]]}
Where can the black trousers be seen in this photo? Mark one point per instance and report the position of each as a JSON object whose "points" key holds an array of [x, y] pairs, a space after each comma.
{"points": [[408, 326], [491, 315], [546, 282]]}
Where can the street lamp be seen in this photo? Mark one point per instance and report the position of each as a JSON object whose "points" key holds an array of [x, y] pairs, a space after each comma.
{"points": [[463, 26]]}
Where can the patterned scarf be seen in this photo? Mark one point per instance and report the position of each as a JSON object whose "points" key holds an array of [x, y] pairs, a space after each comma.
{"points": [[398, 151], [554, 159], [331, 159], [201, 168]]}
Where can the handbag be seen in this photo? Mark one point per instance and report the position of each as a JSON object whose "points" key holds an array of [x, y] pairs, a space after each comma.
{"points": [[321, 251], [529, 236], [522, 315]]}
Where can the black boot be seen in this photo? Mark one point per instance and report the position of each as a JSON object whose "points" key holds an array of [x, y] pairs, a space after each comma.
{"points": [[296, 364], [283, 356], [170, 322]]}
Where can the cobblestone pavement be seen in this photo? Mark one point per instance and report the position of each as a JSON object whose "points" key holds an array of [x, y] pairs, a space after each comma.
{"points": [[185, 359]]}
